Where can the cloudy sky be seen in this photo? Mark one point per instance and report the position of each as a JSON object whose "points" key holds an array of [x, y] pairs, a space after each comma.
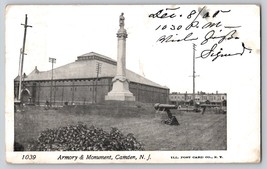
{"points": [[65, 32]]}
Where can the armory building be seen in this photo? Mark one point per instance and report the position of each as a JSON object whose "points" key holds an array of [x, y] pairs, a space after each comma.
{"points": [[80, 83]]}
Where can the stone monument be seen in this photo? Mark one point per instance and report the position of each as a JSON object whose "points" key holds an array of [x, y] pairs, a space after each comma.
{"points": [[120, 90]]}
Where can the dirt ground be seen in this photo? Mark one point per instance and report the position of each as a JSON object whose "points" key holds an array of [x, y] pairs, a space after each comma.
{"points": [[195, 132]]}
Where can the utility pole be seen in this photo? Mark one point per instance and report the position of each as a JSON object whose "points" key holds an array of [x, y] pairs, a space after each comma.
{"points": [[52, 60], [98, 70], [22, 55], [20, 52], [194, 74]]}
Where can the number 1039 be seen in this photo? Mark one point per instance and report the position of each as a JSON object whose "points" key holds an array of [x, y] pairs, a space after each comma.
{"points": [[28, 157]]}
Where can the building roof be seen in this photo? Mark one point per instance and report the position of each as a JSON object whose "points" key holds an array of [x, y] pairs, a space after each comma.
{"points": [[85, 67]]}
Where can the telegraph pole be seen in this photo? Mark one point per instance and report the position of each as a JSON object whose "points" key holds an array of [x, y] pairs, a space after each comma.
{"points": [[22, 55], [194, 74], [98, 70], [20, 52], [52, 60]]}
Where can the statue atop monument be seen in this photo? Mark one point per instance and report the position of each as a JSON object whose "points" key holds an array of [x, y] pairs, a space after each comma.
{"points": [[122, 20]]}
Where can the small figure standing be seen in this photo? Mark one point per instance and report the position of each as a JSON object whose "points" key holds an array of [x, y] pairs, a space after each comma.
{"points": [[47, 103], [122, 20], [204, 109]]}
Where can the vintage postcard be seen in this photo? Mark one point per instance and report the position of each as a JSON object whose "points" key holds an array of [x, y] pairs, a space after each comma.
{"points": [[133, 83]]}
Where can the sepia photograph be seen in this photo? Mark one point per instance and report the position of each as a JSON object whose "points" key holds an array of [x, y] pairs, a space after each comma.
{"points": [[132, 83]]}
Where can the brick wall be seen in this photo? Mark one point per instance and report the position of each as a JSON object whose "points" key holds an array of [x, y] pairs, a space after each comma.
{"points": [[85, 91]]}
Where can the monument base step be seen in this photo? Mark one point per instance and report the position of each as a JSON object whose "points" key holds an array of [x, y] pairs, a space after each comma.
{"points": [[120, 96]]}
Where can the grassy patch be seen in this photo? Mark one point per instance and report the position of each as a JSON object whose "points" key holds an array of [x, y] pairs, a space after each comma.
{"points": [[195, 132]]}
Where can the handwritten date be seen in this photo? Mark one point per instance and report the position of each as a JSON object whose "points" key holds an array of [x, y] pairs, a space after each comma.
{"points": [[164, 13]]}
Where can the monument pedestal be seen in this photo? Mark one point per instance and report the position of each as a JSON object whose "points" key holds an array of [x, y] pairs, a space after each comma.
{"points": [[120, 91]]}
